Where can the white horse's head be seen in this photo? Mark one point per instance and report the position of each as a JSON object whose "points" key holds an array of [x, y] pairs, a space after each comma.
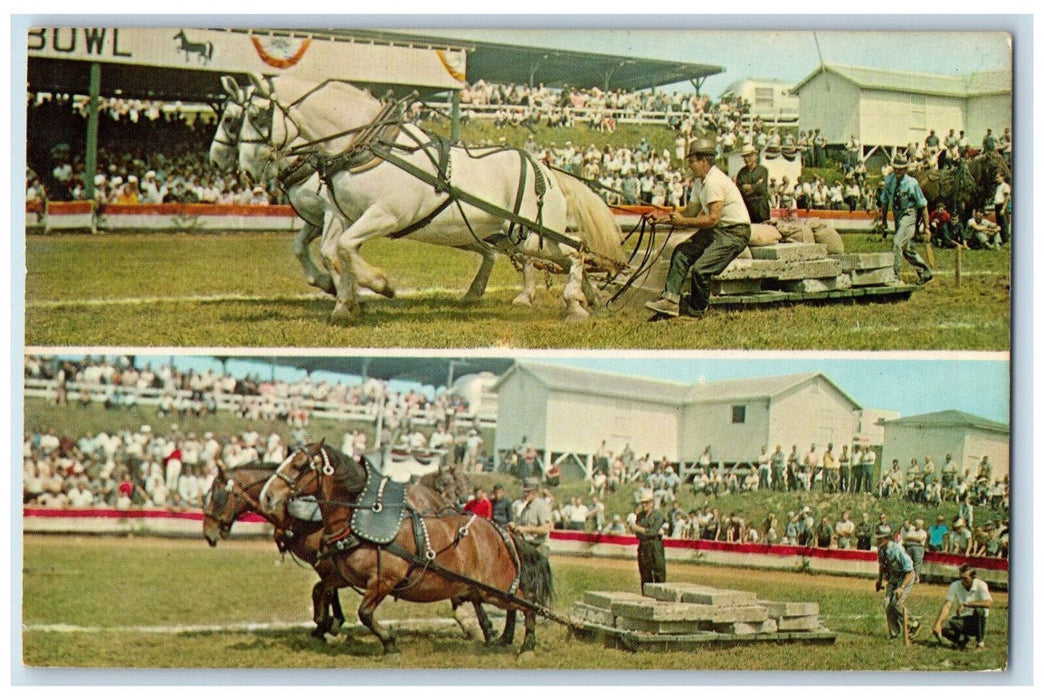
{"points": [[224, 149], [265, 132]]}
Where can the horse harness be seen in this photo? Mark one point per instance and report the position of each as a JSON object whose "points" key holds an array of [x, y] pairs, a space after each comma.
{"points": [[377, 142], [377, 515]]}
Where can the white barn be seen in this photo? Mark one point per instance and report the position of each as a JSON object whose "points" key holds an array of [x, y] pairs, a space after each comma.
{"points": [[888, 108], [967, 437], [769, 99], [567, 412]]}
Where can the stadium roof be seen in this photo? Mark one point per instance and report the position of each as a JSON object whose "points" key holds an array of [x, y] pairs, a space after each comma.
{"points": [[984, 83], [429, 371], [508, 63], [496, 63], [949, 419]]}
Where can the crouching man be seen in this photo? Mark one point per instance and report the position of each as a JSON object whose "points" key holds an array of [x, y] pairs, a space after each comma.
{"points": [[970, 600]]}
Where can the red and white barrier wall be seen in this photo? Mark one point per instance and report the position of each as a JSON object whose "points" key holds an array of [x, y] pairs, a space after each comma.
{"points": [[70, 217], [846, 562]]}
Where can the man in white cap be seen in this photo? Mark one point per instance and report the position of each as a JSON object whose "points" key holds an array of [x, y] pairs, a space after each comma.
{"points": [[534, 519], [718, 213], [648, 526], [897, 569], [904, 196], [752, 180]]}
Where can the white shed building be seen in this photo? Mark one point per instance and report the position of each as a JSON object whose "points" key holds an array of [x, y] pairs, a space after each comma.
{"points": [[967, 437], [567, 412], [890, 108]]}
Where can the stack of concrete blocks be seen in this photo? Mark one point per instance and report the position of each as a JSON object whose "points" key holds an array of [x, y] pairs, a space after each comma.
{"points": [[696, 611], [804, 268]]}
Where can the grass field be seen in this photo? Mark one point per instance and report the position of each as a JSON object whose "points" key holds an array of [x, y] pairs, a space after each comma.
{"points": [[118, 603], [215, 290]]}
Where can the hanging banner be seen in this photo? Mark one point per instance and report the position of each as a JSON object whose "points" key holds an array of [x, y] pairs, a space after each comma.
{"points": [[260, 51]]}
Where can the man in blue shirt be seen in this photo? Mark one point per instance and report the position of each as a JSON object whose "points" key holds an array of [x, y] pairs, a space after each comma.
{"points": [[896, 567], [903, 194]]}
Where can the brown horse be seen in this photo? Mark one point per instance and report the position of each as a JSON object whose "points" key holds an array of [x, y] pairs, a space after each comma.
{"points": [[971, 184], [235, 492], [430, 558]]}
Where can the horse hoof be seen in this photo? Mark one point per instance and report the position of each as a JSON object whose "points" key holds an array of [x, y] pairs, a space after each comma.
{"points": [[335, 628], [387, 292], [343, 316], [578, 316], [522, 300], [318, 633], [470, 298]]}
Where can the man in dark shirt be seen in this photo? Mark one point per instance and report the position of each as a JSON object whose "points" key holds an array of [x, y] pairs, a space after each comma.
{"points": [[648, 526], [752, 180], [501, 506]]}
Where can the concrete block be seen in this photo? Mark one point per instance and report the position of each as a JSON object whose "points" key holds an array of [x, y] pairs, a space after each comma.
{"points": [[727, 287], [798, 624], [806, 269], [657, 610], [787, 252], [722, 597], [589, 613], [863, 261], [787, 609], [866, 278], [605, 599], [751, 269], [632, 624], [825, 284], [766, 627]]}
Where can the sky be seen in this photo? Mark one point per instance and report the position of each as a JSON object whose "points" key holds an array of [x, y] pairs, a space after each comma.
{"points": [[778, 55], [978, 385]]}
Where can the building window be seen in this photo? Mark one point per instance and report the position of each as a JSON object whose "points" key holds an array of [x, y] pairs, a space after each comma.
{"points": [[739, 414], [764, 97]]}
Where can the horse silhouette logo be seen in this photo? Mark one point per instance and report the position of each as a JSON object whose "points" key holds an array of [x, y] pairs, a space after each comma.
{"points": [[204, 50]]}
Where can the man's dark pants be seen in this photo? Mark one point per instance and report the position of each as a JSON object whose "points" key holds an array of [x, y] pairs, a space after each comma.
{"points": [[961, 630], [706, 253], [652, 567]]}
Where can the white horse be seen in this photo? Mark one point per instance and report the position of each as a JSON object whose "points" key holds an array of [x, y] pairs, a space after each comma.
{"points": [[260, 162], [303, 196], [454, 196]]}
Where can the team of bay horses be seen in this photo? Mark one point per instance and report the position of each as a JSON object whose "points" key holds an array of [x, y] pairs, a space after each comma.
{"points": [[433, 552]]}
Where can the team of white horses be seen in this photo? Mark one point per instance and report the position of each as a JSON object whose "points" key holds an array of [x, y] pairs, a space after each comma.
{"points": [[353, 170]]}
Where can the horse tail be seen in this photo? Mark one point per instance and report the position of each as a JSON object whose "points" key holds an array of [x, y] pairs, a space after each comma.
{"points": [[587, 212], [535, 572]]}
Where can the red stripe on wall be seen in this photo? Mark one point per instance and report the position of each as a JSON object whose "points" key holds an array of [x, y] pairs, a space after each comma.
{"points": [[992, 563]]}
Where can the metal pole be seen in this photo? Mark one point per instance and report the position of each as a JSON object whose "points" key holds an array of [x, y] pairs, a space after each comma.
{"points": [[455, 116], [957, 267], [91, 157]]}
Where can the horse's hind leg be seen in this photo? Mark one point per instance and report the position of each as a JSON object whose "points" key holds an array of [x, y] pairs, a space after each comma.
{"points": [[573, 294], [507, 637], [528, 293], [529, 643], [484, 623]]}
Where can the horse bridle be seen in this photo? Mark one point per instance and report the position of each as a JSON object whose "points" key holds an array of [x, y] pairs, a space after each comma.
{"points": [[233, 488]]}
